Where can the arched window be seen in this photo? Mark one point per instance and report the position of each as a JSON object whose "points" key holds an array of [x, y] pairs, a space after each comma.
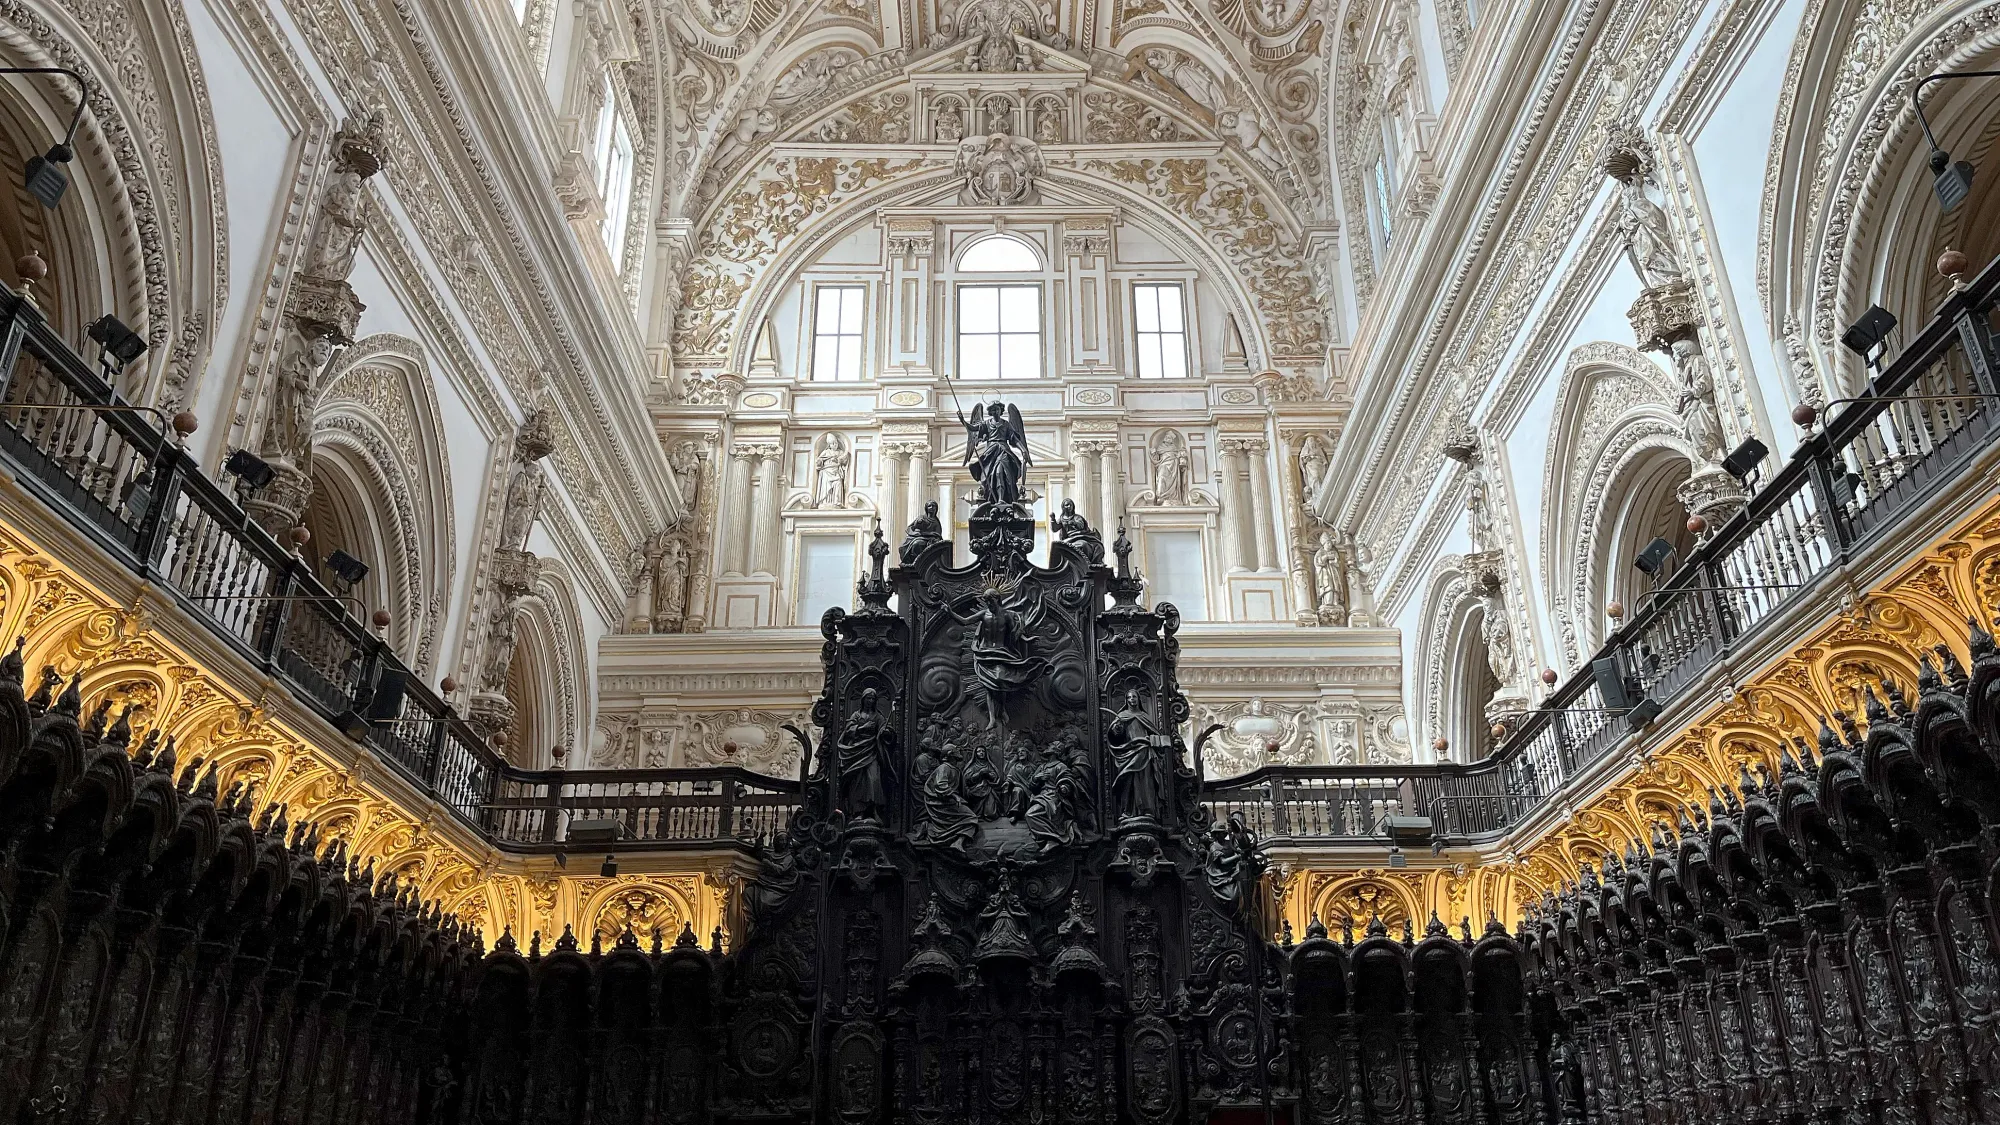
{"points": [[999, 322], [1000, 254]]}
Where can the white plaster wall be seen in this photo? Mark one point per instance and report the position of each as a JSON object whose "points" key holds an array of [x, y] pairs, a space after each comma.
{"points": [[1731, 149], [468, 450], [257, 159]]}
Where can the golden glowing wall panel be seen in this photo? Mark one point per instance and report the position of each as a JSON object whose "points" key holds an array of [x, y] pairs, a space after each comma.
{"points": [[125, 657]]}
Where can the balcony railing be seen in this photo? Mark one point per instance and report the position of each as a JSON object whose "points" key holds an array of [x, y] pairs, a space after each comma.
{"points": [[1918, 429], [71, 442]]}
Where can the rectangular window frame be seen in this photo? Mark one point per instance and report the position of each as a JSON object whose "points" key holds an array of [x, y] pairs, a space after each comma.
{"points": [[1158, 535], [615, 157], [1165, 348], [859, 336], [959, 333]]}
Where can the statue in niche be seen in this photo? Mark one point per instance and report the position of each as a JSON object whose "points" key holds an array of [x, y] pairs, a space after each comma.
{"points": [[1003, 924], [1076, 531], [670, 580], [1313, 460], [1230, 855], [945, 821], [1696, 405], [1327, 575], [922, 532], [1496, 630], [996, 452], [1649, 238], [950, 126], [862, 752], [294, 392], [1479, 511], [830, 463], [1144, 758], [1000, 661], [1049, 126], [1171, 469]]}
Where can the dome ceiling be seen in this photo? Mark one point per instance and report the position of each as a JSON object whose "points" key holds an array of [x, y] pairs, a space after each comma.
{"points": [[1212, 108]]}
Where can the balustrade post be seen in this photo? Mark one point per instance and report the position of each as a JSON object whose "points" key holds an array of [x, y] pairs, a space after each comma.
{"points": [[1831, 493], [725, 822], [434, 753], [11, 332], [284, 584], [552, 812], [1281, 822], [1722, 612], [156, 523], [1975, 335]]}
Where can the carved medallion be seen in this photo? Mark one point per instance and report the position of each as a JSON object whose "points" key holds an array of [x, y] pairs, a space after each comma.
{"points": [[1239, 396], [907, 398]]}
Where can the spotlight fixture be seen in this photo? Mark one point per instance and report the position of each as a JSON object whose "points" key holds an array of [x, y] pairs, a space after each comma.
{"points": [[1865, 336], [249, 468], [1653, 557], [1396, 857], [1744, 459], [1643, 714], [118, 340], [45, 176], [1951, 180], [610, 868], [346, 567]]}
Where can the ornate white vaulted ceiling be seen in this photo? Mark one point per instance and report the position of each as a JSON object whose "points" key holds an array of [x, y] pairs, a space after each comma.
{"points": [[1209, 111]]}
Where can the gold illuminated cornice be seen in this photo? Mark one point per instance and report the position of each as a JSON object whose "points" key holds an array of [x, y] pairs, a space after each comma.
{"points": [[234, 721], [1922, 606]]}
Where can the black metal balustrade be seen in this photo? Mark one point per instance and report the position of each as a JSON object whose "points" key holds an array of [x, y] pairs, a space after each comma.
{"points": [[70, 441]]}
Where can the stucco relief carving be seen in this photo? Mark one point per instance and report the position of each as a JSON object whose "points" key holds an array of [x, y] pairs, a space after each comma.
{"points": [[998, 170], [1231, 209], [1255, 733]]}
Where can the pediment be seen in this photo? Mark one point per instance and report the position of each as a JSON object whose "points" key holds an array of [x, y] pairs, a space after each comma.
{"points": [[1053, 69]]}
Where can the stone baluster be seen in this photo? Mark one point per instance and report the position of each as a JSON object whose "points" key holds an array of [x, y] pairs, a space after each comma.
{"points": [[1258, 457]]}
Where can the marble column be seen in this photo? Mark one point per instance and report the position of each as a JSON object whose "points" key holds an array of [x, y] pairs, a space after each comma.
{"points": [[1259, 463], [764, 531], [1237, 544], [736, 531], [1110, 491], [894, 517], [922, 488], [1082, 488]]}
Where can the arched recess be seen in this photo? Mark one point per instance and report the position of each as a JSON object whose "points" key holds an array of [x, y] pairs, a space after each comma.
{"points": [[1202, 246], [382, 488], [142, 233], [1615, 457], [1852, 217], [1458, 681], [546, 679]]}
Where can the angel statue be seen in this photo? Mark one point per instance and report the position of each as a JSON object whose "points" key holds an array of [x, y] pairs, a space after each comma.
{"points": [[996, 451], [1000, 660]]}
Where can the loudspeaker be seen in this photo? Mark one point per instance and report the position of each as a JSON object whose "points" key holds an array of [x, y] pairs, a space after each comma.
{"points": [[1611, 685], [386, 705]]}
